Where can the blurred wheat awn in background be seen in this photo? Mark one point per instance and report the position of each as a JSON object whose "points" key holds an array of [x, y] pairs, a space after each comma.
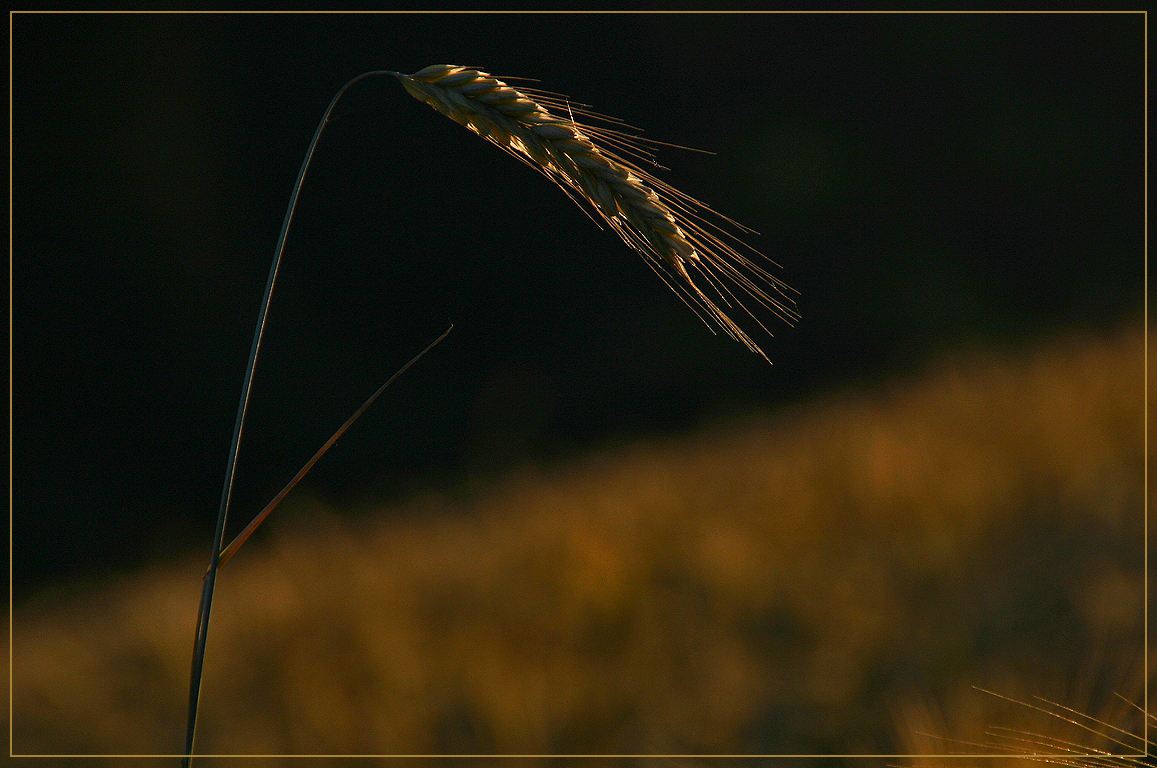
{"points": [[780, 584], [664, 225], [1102, 726]]}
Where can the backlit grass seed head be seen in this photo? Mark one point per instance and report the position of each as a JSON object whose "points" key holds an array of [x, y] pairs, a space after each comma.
{"points": [[665, 226]]}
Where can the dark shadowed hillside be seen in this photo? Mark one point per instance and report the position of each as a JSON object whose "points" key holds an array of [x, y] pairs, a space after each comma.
{"points": [[789, 583]]}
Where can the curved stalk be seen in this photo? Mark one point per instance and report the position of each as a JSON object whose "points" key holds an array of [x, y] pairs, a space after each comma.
{"points": [[231, 464]]}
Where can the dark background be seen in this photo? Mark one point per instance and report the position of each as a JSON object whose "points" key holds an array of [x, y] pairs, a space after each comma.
{"points": [[924, 181]]}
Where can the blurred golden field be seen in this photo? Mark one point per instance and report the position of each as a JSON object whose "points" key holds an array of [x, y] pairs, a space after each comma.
{"points": [[825, 579]]}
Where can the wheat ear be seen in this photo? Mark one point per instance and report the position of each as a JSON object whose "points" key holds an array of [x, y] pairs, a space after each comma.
{"points": [[665, 226]]}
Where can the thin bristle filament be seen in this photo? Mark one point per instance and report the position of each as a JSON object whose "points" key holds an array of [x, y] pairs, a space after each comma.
{"points": [[668, 228]]}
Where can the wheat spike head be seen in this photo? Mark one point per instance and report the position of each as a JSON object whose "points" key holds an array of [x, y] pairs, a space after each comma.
{"points": [[665, 226]]}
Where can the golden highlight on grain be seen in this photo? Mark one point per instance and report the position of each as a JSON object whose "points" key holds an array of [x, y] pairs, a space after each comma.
{"points": [[664, 225]]}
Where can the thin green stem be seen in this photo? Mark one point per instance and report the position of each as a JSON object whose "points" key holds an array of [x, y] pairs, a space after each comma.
{"points": [[210, 580]]}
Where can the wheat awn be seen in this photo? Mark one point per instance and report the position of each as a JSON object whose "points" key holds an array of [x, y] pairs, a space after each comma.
{"points": [[662, 224]]}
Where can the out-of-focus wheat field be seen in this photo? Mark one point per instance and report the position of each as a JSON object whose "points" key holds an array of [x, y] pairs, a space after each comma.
{"points": [[808, 581]]}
